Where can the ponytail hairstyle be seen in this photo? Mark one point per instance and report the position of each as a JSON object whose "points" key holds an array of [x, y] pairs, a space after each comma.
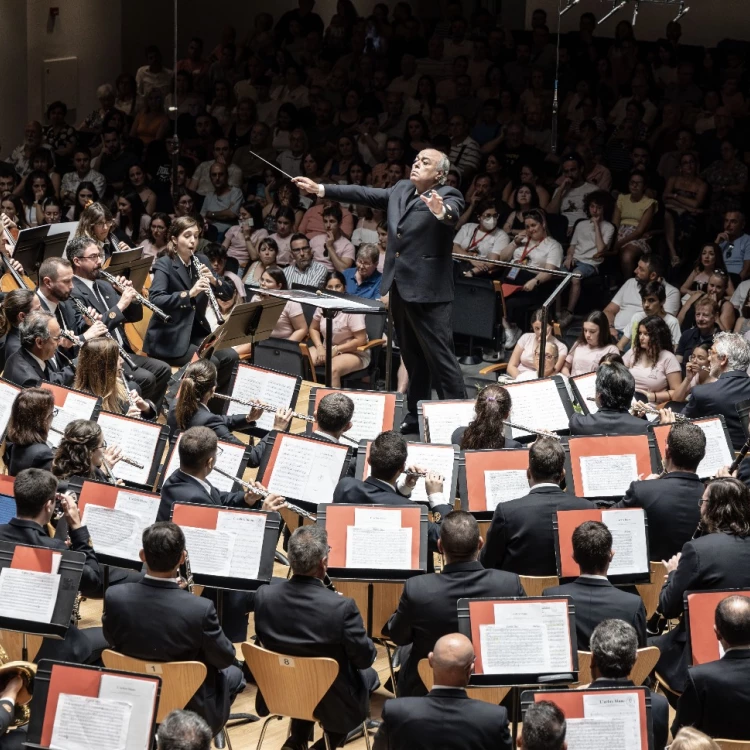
{"points": [[73, 455], [199, 379], [486, 430]]}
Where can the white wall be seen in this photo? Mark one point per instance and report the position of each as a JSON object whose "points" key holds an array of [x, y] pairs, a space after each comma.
{"points": [[13, 80]]}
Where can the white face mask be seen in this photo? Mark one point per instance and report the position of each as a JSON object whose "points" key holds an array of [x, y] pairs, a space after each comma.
{"points": [[489, 224]]}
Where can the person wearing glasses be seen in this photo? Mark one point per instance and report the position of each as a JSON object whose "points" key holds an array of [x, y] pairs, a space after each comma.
{"points": [[96, 222], [303, 269], [26, 444], [717, 289]]}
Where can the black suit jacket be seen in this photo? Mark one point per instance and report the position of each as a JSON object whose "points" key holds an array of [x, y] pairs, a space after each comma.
{"points": [[607, 422], [672, 509], [300, 617], [458, 436], [33, 456], [427, 611], [721, 397], [717, 696], [521, 536], [182, 488], [23, 370], [156, 620], [597, 600], [419, 251], [12, 342], [221, 425], [445, 718], [170, 292]]}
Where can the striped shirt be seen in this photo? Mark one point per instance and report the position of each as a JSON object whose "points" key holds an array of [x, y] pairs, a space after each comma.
{"points": [[465, 155], [314, 275]]}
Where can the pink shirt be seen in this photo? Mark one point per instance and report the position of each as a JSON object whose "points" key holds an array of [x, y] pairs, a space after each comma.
{"points": [[284, 327], [343, 247], [583, 358], [652, 378], [528, 343], [344, 326], [237, 247], [284, 256]]}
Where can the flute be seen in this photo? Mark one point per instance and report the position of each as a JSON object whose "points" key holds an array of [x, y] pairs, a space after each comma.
{"points": [[210, 292], [124, 459], [131, 400], [642, 407], [540, 433], [138, 297], [260, 405]]}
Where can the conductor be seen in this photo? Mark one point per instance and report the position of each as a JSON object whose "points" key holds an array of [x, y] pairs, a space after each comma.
{"points": [[418, 271]]}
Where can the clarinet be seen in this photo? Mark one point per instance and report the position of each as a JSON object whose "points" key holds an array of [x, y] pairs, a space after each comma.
{"points": [[138, 297], [186, 573], [738, 460], [210, 293], [82, 309]]}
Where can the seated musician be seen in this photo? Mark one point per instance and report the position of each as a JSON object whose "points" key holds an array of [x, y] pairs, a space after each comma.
{"points": [[301, 617], [10, 687], [34, 361], [83, 452], [155, 619], [183, 730], [97, 223], [543, 728], [114, 310], [419, 723], [17, 304], [28, 428], [99, 371], [217, 255], [487, 431], [614, 390], [190, 409], [427, 609]]}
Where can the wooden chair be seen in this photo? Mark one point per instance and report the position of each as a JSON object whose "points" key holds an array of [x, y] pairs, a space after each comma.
{"points": [[292, 686], [12, 642], [535, 585], [645, 661], [650, 591], [484, 527], [492, 695], [733, 744]]}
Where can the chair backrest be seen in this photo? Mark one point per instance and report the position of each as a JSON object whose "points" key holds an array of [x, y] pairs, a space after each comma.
{"points": [[475, 308], [535, 585], [278, 354], [650, 591], [375, 325], [645, 661], [492, 695], [733, 744], [291, 685], [179, 679]]}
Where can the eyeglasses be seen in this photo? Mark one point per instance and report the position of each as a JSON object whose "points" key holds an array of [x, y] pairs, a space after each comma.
{"points": [[219, 451], [96, 256], [55, 411]]}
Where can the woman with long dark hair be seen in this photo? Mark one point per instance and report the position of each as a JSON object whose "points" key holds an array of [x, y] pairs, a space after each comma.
{"points": [[86, 194], [594, 343], [652, 363], [83, 451], [131, 219], [291, 325], [26, 440], [487, 431]]}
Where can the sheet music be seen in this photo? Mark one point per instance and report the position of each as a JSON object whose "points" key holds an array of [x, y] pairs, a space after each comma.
{"points": [[8, 394], [28, 594], [377, 518], [83, 723], [142, 506], [608, 476], [114, 532], [138, 440], [628, 541], [529, 638], [594, 734], [718, 453], [373, 548], [210, 550], [76, 406], [586, 385], [503, 485], [442, 419], [248, 530], [430, 458], [367, 420], [141, 696], [537, 404], [622, 708], [270, 388], [229, 460], [306, 470]]}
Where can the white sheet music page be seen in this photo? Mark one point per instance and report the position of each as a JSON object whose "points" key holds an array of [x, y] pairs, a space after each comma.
{"points": [[210, 550], [628, 541], [616, 707], [113, 532], [83, 723], [76, 406], [586, 385], [718, 453], [140, 695], [306, 470], [537, 404], [500, 486], [378, 548], [367, 420], [444, 418], [438, 458], [608, 476], [138, 441], [248, 530], [269, 387], [229, 460], [28, 594], [8, 394], [377, 518], [595, 734]]}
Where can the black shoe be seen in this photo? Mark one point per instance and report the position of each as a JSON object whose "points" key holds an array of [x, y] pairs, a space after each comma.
{"points": [[410, 425]]}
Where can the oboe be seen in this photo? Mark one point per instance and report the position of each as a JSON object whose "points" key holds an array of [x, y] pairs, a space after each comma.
{"points": [[741, 455], [210, 292], [82, 309], [139, 297], [124, 459], [259, 405], [186, 573]]}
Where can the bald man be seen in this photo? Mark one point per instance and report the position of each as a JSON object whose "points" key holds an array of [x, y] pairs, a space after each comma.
{"points": [[446, 717]]}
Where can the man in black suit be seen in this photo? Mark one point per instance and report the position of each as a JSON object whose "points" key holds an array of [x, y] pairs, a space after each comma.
{"points": [[520, 538], [157, 620], [445, 717], [334, 417], [614, 648], [718, 693], [718, 560], [35, 492], [114, 310], [614, 391], [729, 358], [672, 500], [301, 617], [595, 598], [418, 272], [35, 360], [427, 609]]}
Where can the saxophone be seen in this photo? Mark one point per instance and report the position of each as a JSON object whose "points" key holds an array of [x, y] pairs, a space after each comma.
{"points": [[26, 671]]}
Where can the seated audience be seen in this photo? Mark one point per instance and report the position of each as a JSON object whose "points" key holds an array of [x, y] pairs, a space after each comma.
{"points": [[332, 249], [593, 344], [364, 279], [703, 332], [525, 357], [653, 296], [291, 325], [481, 239], [303, 270], [734, 243], [267, 254], [718, 290], [568, 198], [523, 199], [697, 372], [709, 260]]}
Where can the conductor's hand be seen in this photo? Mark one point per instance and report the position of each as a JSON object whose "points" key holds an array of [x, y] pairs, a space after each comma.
{"points": [[433, 483], [200, 287], [434, 201], [413, 478], [282, 419], [306, 185], [96, 330], [70, 510]]}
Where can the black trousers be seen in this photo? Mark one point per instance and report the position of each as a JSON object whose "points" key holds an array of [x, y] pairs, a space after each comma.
{"points": [[425, 337], [152, 376], [224, 360]]}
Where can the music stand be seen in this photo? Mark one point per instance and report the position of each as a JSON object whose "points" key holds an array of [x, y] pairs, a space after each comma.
{"points": [[584, 386], [136, 270], [432, 429], [29, 250]]}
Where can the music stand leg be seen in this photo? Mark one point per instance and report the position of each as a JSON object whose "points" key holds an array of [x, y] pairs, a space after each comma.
{"points": [[388, 351], [543, 339], [515, 706], [329, 346], [24, 647]]}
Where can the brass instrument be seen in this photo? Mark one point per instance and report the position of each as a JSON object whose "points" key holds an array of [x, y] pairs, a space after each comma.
{"points": [[187, 574], [260, 405], [210, 293], [82, 309], [26, 671], [138, 296]]}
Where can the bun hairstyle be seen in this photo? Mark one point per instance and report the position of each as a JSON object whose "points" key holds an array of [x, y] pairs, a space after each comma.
{"points": [[486, 430], [73, 455], [199, 379]]}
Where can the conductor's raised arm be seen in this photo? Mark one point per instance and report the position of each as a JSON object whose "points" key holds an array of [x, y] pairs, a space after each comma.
{"points": [[360, 194]]}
